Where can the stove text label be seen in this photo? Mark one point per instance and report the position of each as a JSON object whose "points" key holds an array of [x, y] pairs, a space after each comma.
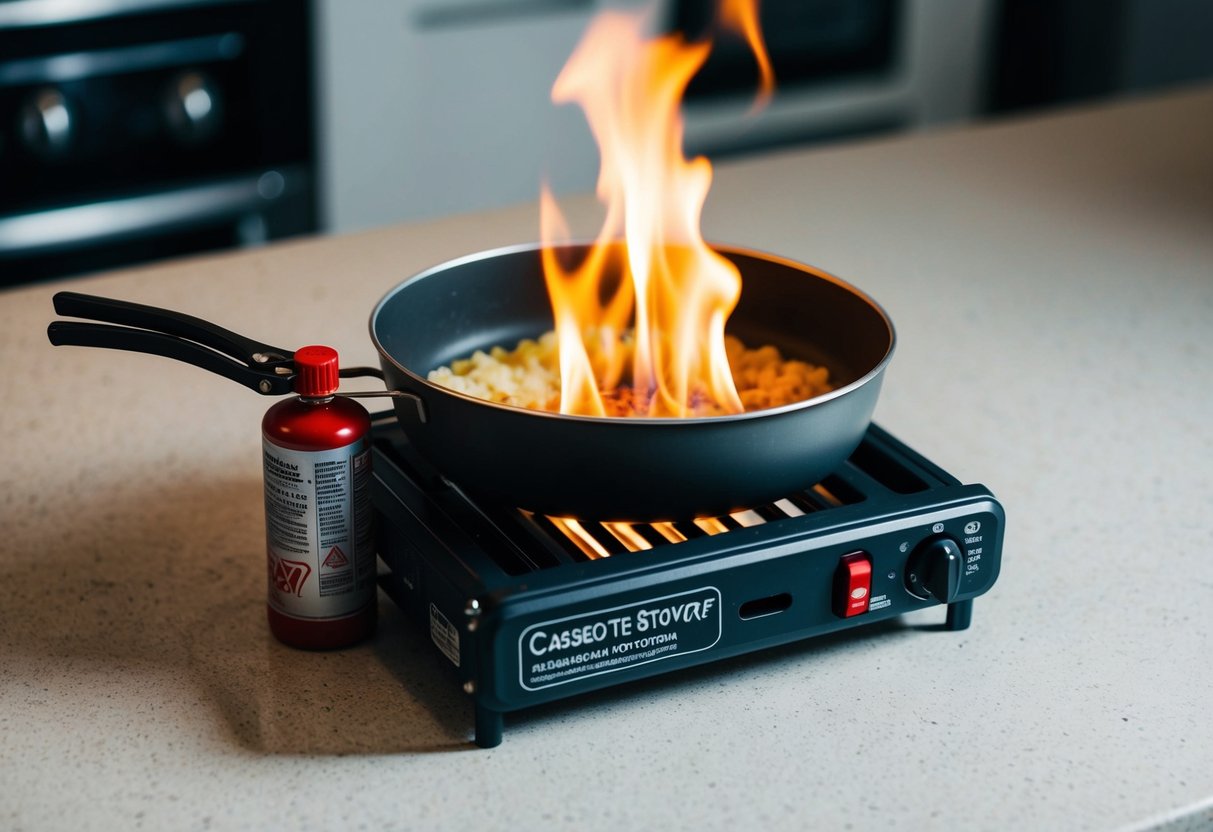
{"points": [[605, 640]]}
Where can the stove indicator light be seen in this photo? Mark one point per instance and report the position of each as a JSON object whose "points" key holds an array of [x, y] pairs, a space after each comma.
{"points": [[852, 585]]}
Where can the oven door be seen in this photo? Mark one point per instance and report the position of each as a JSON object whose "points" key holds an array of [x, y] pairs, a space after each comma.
{"points": [[137, 227]]}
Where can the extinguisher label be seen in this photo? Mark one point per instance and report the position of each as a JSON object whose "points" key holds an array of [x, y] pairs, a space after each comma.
{"points": [[321, 559]]}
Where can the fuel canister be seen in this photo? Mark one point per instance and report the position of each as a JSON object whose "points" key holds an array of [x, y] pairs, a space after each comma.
{"points": [[319, 544]]}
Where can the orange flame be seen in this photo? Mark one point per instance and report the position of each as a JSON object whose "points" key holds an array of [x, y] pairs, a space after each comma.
{"points": [[649, 266], [742, 15]]}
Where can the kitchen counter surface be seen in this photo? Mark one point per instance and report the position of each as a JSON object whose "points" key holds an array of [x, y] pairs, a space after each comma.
{"points": [[1052, 284]]}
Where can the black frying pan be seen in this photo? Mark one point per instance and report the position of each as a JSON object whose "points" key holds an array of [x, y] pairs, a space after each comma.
{"points": [[634, 468], [600, 468]]}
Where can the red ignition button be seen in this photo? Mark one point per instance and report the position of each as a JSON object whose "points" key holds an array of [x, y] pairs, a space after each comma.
{"points": [[852, 585]]}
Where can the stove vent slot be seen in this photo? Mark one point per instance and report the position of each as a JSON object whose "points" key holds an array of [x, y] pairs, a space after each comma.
{"points": [[590, 540], [760, 607], [831, 492], [580, 540], [583, 536], [881, 466], [514, 562], [838, 492]]}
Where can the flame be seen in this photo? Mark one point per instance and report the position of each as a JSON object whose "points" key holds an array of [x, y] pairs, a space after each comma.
{"points": [[742, 15], [647, 305]]}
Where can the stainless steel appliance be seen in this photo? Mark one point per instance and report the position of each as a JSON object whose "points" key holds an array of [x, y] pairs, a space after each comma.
{"points": [[843, 68], [146, 128]]}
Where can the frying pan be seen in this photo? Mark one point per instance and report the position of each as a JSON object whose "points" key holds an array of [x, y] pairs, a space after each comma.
{"points": [[580, 466], [635, 468]]}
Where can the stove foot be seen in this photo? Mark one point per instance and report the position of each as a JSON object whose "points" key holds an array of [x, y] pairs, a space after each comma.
{"points": [[959, 615], [489, 725]]}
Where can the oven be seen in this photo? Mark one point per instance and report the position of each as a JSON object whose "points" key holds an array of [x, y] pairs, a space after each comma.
{"points": [[843, 69], [142, 129]]}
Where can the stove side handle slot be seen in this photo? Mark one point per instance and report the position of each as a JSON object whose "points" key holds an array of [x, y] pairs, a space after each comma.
{"points": [[761, 607]]}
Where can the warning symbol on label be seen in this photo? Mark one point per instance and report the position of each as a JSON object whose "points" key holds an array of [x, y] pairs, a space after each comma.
{"points": [[336, 559]]}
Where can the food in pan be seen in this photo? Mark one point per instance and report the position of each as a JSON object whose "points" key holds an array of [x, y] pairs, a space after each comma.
{"points": [[529, 376]]}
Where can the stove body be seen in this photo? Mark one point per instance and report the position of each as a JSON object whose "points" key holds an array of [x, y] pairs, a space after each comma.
{"points": [[530, 609]]}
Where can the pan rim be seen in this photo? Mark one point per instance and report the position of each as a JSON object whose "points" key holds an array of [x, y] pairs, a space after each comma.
{"points": [[649, 421]]}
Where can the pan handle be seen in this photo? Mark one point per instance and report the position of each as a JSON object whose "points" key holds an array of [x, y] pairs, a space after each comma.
{"points": [[155, 319], [72, 333], [375, 372], [361, 372]]}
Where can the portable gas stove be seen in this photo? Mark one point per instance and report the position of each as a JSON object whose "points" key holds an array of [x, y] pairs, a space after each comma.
{"points": [[531, 609]]}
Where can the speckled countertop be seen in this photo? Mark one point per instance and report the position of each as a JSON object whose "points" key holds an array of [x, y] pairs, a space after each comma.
{"points": [[1052, 283]]}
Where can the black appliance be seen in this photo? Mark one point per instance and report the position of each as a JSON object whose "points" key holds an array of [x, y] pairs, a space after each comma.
{"points": [[842, 69], [1059, 52], [531, 609], [149, 128], [809, 42]]}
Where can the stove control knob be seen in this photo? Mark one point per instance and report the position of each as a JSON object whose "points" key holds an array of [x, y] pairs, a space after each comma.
{"points": [[934, 570], [47, 123], [193, 108]]}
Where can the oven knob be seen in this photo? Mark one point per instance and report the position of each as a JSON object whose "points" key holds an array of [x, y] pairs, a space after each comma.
{"points": [[934, 570], [47, 123], [193, 107]]}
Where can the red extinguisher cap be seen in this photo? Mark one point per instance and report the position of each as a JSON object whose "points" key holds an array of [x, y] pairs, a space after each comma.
{"points": [[316, 371]]}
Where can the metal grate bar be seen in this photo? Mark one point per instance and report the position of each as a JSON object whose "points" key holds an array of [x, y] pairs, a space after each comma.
{"points": [[711, 525], [748, 518], [596, 540], [653, 535], [776, 511], [805, 503], [671, 532]]}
